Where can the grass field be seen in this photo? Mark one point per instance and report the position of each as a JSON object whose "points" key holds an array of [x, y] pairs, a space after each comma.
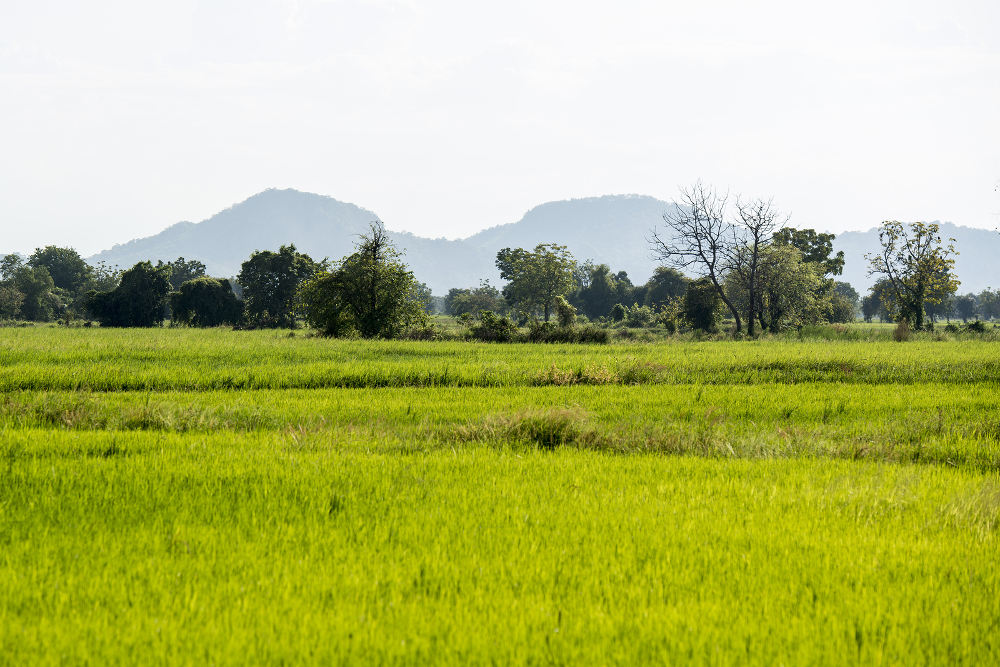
{"points": [[229, 497]]}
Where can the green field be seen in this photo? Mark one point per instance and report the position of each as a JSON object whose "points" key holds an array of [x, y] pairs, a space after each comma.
{"points": [[228, 497]]}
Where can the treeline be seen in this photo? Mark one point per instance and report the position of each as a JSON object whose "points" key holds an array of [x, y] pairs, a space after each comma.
{"points": [[751, 273]]}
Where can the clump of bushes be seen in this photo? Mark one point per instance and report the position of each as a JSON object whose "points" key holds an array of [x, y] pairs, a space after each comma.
{"points": [[492, 328], [902, 332]]}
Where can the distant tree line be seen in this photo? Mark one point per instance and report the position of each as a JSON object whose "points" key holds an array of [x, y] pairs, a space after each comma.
{"points": [[744, 266]]}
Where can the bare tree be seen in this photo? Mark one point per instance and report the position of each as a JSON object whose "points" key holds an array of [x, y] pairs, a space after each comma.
{"points": [[698, 237], [752, 231]]}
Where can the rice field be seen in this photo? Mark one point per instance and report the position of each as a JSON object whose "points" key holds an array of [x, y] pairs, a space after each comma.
{"points": [[224, 497]]}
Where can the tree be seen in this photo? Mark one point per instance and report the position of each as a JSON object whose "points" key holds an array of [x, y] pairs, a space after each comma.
{"points": [[916, 266], [537, 277], [41, 301], [698, 237], [138, 301], [847, 291], [206, 302], [664, 287], [790, 290], [370, 291], [182, 270], [701, 305], [600, 292], [9, 265], [68, 270], [757, 221], [425, 297], [989, 304], [10, 301], [966, 306], [870, 306], [473, 301], [270, 281], [815, 248]]}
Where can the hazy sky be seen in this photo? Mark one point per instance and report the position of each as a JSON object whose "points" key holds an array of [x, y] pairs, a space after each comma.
{"points": [[121, 117]]}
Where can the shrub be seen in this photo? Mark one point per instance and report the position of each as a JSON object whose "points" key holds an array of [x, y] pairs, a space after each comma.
{"points": [[901, 332], [565, 312], [976, 327], [618, 312], [492, 328]]}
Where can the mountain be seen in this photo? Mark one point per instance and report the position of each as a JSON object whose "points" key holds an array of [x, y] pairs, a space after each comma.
{"points": [[611, 229]]}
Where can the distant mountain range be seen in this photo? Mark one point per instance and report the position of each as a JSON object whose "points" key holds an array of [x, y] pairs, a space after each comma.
{"points": [[610, 230]]}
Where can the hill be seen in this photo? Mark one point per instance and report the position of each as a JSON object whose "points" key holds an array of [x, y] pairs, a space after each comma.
{"points": [[611, 229]]}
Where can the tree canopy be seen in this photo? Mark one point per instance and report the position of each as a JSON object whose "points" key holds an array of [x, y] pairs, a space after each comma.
{"points": [[270, 282], [536, 277]]}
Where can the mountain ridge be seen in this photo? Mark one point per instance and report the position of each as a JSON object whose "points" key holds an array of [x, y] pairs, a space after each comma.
{"points": [[609, 229]]}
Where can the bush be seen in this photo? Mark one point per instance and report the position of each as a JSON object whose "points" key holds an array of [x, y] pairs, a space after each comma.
{"points": [[901, 332], [565, 312], [618, 312], [951, 328], [493, 328], [976, 327], [547, 332]]}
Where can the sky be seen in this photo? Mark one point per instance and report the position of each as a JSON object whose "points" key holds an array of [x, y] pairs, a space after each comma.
{"points": [[119, 118]]}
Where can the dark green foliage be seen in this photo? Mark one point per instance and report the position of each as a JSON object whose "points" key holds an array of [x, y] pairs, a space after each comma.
{"points": [[138, 301], [842, 310], [536, 277], [966, 306], [549, 332], [370, 291], [270, 282], [666, 285], [206, 302], [815, 247], [424, 296], [870, 306], [976, 327], [847, 292], [41, 301], [10, 301], [182, 270], [485, 297], [618, 312], [493, 328], [701, 305], [68, 270]]}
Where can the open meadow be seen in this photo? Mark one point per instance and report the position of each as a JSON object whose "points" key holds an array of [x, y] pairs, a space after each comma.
{"points": [[216, 496]]}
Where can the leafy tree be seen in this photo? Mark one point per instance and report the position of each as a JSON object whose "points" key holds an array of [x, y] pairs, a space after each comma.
{"points": [[9, 266], [182, 270], [425, 297], [68, 270], [536, 277], [815, 248], [42, 301], [138, 301], [870, 306], [989, 304], [701, 305], [270, 281], [618, 312], [485, 297], [565, 312], [370, 291], [916, 266], [791, 294], [841, 309], [206, 302], [10, 301], [666, 285], [600, 293], [966, 306], [847, 291], [104, 277]]}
